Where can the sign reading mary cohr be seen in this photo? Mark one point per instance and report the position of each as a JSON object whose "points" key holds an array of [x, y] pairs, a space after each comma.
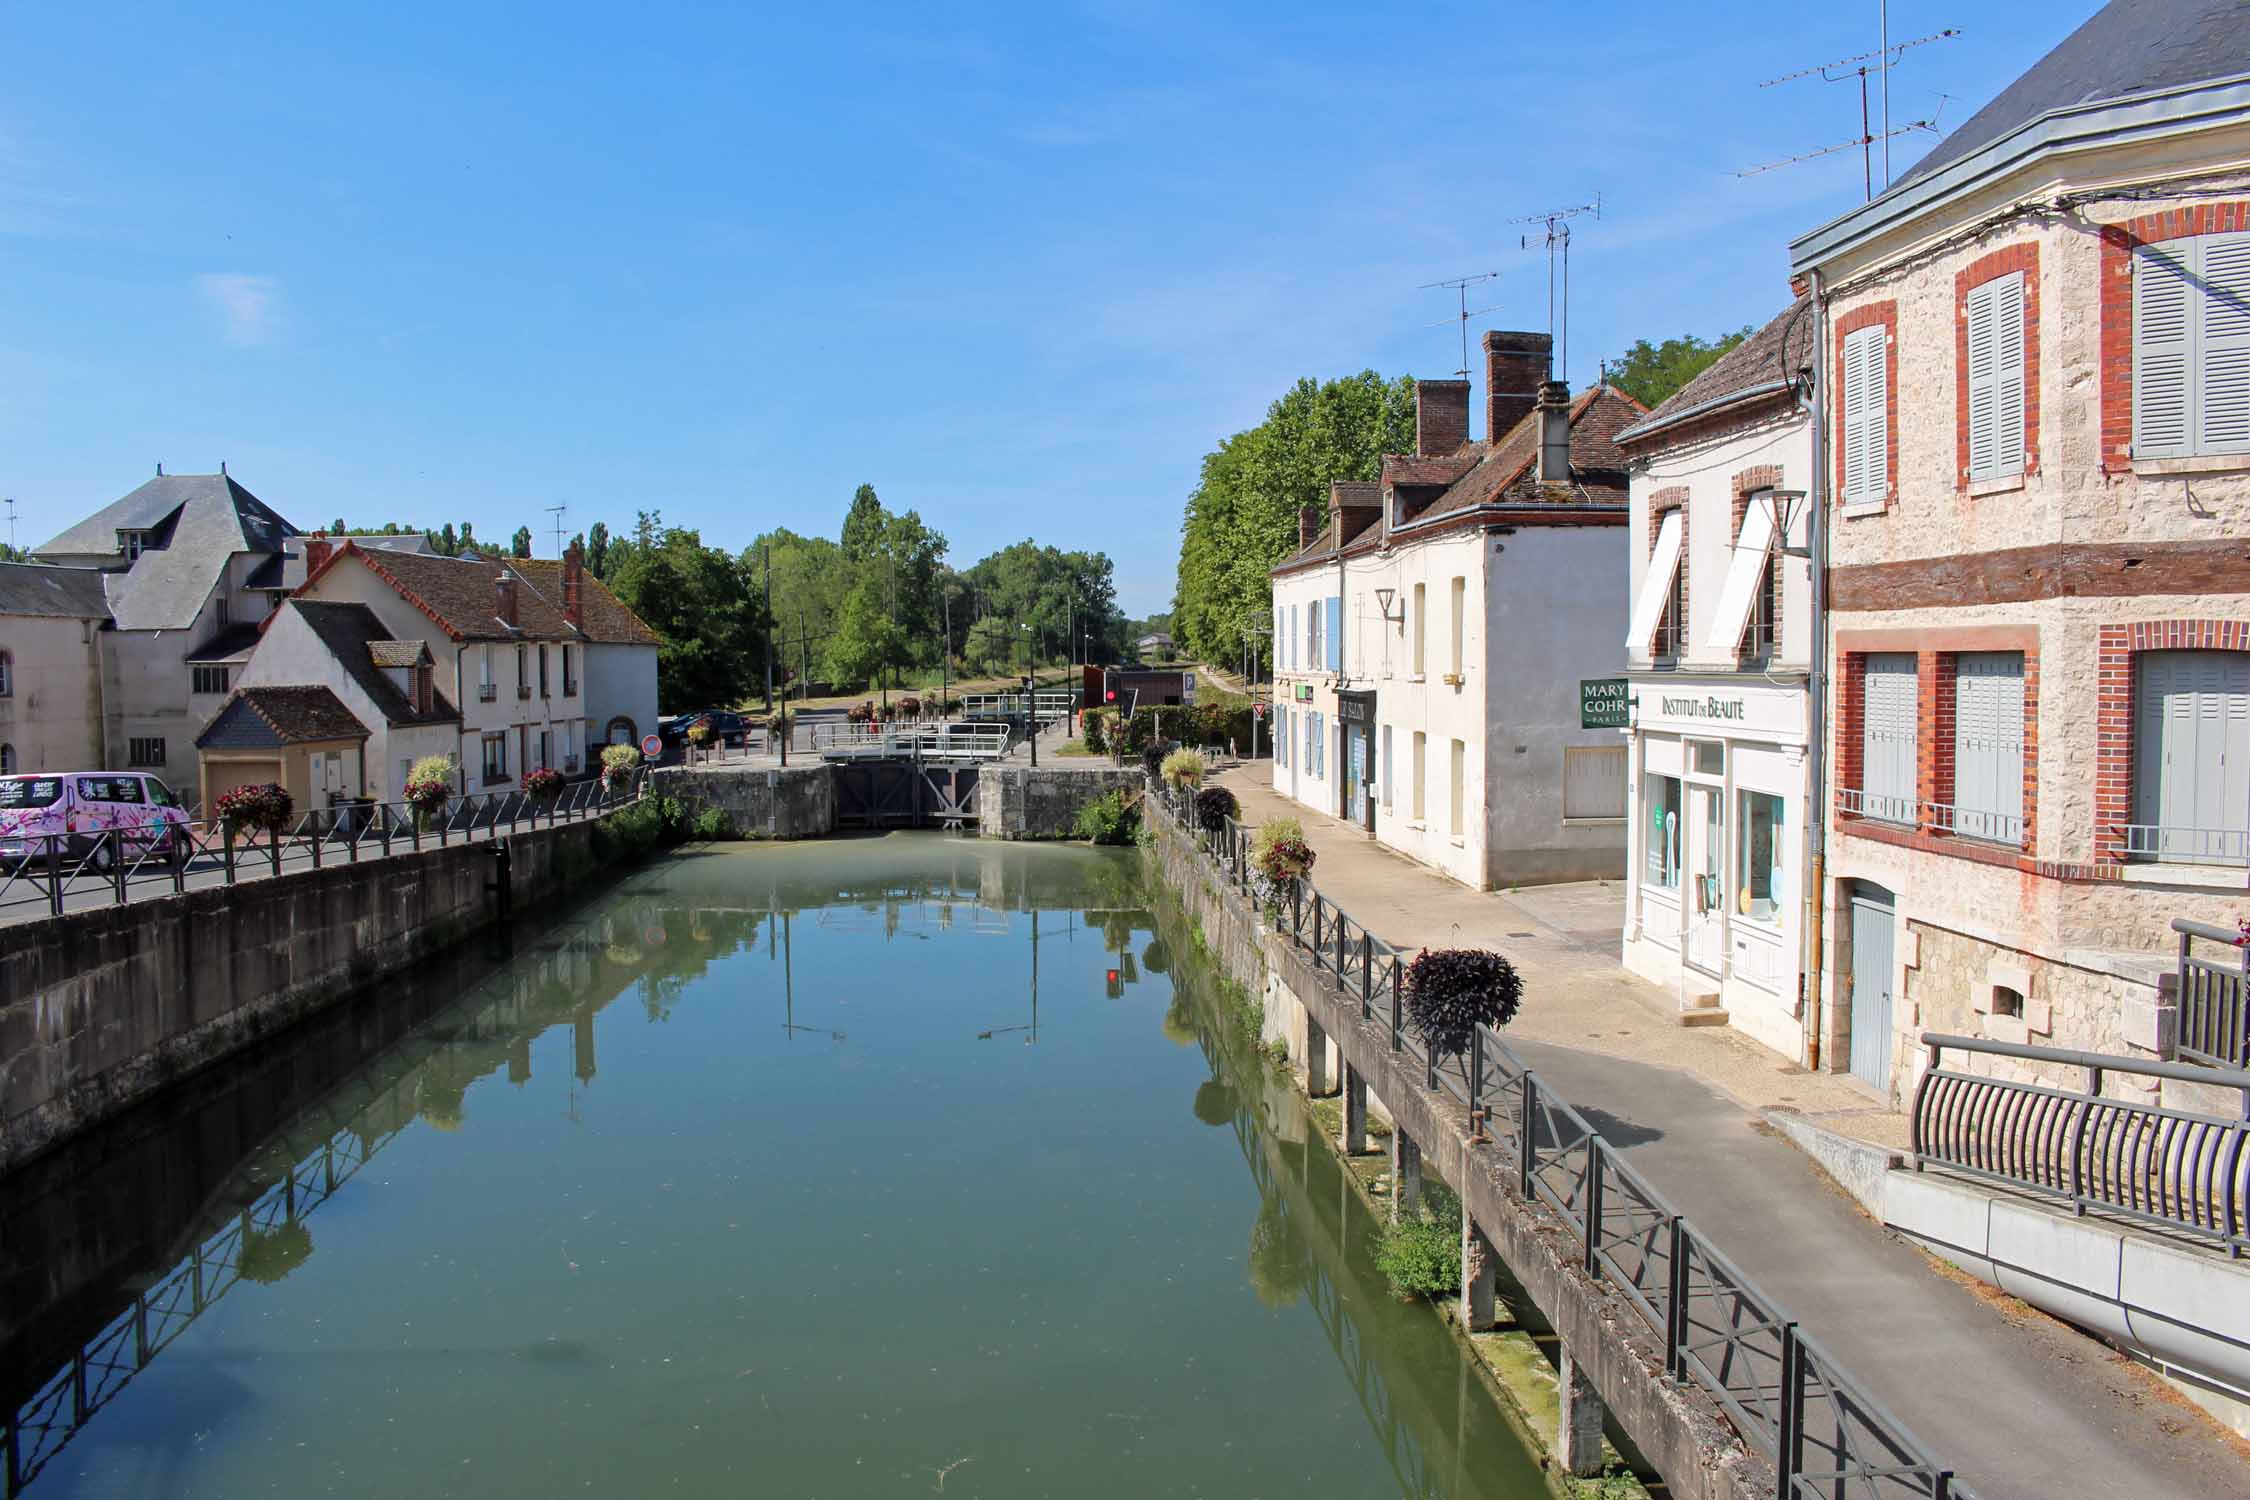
{"points": [[1601, 703]]}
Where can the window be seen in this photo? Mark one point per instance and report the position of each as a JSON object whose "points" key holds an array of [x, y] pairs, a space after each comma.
{"points": [[1320, 745], [224, 612], [1671, 630], [2191, 757], [109, 789], [1660, 606], [1306, 763], [543, 669], [2191, 346], [145, 752], [1594, 781], [1280, 634], [1763, 637], [1282, 730], [7, 675], [1660, 804], [1460, 609], [1456, 814], [1867, 433], [523, 672], [1421, 770], [1988, 745], [1995, 377], [1312, 634], [132, 544], [1335, 631], [7, 758], [208, 679], [2007, 1002], [1386, 767], [1887, 788], [1749, 594], [495, 758], [1759, 847], [486, 692], [546, 749], [1421, 626]]}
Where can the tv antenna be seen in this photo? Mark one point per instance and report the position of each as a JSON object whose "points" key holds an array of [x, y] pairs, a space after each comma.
{"points": [[1844, 70], [557, 512], [1557, 221], [1461, 284], [11, 504]]}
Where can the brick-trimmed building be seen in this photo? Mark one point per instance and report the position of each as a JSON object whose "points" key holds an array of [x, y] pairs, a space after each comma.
{"points": [[2038, 401], [1432, 629], [1719, 652]]}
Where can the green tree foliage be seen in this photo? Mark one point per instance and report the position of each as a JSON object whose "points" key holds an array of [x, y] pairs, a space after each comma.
{"points": [[699, 600], [520, 544], [1651, 372], [1242, 517], [990, 647], [1060, 595], [597, 550]]}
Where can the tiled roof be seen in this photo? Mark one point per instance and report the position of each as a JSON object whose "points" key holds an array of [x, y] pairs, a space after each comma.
{"points": [[1503, 469], [196, 522], [259, 718], [609, 620], [460, 594], [1758, 364], [36, 589], [351, 632]]}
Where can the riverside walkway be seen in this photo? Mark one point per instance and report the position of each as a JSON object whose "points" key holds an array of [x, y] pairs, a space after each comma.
{"points": [[2020, 1405]]}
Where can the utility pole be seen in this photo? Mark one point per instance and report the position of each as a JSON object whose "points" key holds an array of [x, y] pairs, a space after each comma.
{"points": [[769, 625]]}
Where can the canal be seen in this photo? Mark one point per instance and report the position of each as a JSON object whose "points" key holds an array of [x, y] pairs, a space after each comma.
{"points": [[888, 1166]]}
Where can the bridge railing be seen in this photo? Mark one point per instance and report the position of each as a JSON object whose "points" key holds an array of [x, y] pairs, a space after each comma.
{"points": [[50, 873], [1783, 1391], [2214, 995], [2178, 1168], [940, 741]]}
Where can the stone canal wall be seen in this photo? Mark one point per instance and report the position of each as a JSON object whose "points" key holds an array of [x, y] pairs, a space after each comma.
{"points": [[1020, 802], [103, 1008], [1676, 1426], [786, 802]]}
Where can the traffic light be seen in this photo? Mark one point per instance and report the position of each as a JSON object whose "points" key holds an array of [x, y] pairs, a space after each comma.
{"points": [[1116, 985]]}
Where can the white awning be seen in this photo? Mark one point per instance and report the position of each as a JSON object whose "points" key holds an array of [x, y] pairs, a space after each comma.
{"points": [[1656, 586], [1744, 570]]}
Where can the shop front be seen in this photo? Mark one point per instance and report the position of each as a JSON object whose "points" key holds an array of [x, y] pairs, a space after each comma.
{"points": [[1714, 905], [1355, 722]]}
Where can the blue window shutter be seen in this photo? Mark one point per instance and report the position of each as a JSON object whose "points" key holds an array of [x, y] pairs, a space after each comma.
{"points": [[1335, 632]]}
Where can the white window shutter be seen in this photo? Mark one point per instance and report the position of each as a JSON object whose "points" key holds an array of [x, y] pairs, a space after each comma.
{"points": [[2223, 346], [2163, 349], [1855, 425], [2008, 373], [1866, 440], [1984, 382], [1877, 413]]}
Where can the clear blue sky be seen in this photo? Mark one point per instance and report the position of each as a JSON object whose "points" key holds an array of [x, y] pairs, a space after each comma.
{"points": [[1017, 267]]}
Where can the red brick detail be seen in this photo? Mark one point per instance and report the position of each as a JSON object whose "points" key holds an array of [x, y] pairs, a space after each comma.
{"points": [[1868, 315], [1976, 273], [1747, 483], [2113, 709], [1660, 504], [1937, 680], [2119, 241], [1848, 754]]}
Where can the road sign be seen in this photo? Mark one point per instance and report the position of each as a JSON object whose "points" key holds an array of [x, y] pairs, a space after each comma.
{"points": [[1602, 703], [652, 747]]}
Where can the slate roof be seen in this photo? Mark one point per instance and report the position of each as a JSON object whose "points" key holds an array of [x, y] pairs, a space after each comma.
{"points": [[1758, 366], [37, 589], [196, 522], [234, 643], [265, 718], [460, 594], [609, 619], [267, 575], [351, 632], [2126, 48]]}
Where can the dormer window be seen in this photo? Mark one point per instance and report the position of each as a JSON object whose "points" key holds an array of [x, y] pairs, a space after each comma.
{"points": [[132, 544]]}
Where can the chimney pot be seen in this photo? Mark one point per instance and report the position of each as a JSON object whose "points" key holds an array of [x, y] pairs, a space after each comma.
{"points": [[317, 548], [1554, 432], [1514, 365], [1441, 416], [574, 585]]}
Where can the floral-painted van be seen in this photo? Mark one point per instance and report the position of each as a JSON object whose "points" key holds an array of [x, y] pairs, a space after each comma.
{"points": [[136, 810]]}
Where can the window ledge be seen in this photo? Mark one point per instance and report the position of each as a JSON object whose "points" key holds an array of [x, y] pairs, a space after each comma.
{"points": [[1456, 841], [1419, 825], [1416, 677], [1998, 484], [1592, 822], [2152, 873], [2199, 463], [1853, 510]]}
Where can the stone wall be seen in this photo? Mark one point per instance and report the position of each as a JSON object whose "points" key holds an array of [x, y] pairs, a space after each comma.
{"points": [[1019, 802], [103, 1008], [790, 802]]}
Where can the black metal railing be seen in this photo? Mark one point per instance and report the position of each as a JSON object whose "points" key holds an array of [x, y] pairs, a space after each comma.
{"points": [[1787, 1395], [166, 853], [2184, 1170], [2214, 996]]}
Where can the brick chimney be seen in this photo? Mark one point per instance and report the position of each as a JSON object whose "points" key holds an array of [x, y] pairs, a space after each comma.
{"points": [[1554, 432], [1311, 521], [574, 585], [424, 690], [1441, 416], [504, 601], [317, 548], [1514, 365]]}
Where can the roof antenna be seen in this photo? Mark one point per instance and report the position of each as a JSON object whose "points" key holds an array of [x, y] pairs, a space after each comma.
{"points": [[1844, 70], [1557, 221], [1462, 284], [557, 512]]}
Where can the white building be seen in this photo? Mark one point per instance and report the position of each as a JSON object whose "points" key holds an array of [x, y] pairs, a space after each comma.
{"points": [[1432, 632], [1720, 645], [53, 638], [620, 648]]}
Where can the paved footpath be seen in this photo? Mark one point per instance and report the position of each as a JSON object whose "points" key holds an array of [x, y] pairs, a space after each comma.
{"points": [[2020, 1405]]}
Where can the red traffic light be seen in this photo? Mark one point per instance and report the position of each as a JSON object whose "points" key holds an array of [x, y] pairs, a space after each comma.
{"points": [[1116, 985], [1110, 696]]}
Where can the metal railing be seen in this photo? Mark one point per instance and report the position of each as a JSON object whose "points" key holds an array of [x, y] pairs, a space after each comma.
{"points": [[1879, 807], [1975, 823], [2192, 846], [2183, 1170], [1785, 1393], [2214, 996], [912, 741], [1048, 703], [47, 874]]}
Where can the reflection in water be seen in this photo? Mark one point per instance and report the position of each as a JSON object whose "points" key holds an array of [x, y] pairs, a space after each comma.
{"points": [[1034, 1296]]}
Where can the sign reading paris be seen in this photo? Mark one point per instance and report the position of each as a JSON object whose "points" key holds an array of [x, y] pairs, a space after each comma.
{"points": [[1601, 703]]}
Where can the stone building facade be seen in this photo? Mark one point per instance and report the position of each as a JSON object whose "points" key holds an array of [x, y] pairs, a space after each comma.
{"points": [[2037, 418]]}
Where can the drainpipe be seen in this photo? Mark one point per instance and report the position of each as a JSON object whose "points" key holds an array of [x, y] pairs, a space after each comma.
{"points": [[1343, 667], [1816, 681], [461, 730]]}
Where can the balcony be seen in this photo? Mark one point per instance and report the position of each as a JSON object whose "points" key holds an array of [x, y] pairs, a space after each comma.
{"points": [[2002, 830], [1876, 807], [2186, 846], [487, 692]]}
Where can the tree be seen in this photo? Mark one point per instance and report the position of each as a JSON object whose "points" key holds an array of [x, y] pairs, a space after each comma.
{"points": [[446, 542], [1651, 372], [520, 544], [710, 623], [989, 646], [597, 550], [1242, 516], [863, 525]]}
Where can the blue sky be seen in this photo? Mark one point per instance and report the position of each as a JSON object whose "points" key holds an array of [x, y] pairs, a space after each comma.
{"points": [[1018, 267]]}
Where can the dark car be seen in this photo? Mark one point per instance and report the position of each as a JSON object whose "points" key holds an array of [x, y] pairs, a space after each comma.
{"points": [[727, 726]]}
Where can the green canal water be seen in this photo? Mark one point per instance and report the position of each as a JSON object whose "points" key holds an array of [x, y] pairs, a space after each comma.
{"points": [[895, 1166]]}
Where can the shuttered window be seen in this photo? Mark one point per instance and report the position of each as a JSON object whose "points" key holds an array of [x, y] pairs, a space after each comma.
{"points": [[2191, 757], [1594, 781], [1867, 438], [2191, 346], [1995, 377], [1335, 631], [1988, 746], [1887, 738]]}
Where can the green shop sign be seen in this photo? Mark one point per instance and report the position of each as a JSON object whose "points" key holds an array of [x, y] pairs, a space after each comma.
{"points": [[1601, 703]]}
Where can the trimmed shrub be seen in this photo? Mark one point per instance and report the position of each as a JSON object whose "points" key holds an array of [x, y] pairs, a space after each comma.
{"points": [[1108, 819], [1183, 770], [1093, 727], [1452, 991], [1213, 806]]}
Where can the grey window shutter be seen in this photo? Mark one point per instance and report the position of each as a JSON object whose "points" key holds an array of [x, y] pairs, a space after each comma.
{"points": [[1887, 737], [2191, 739], [2163, 349], [2222, 346], [2008, 374], [1984, 384], [1988, 745]]}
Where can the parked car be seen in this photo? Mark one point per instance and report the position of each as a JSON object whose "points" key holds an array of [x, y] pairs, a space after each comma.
{"points": [[96, 814], [727, 726]]}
